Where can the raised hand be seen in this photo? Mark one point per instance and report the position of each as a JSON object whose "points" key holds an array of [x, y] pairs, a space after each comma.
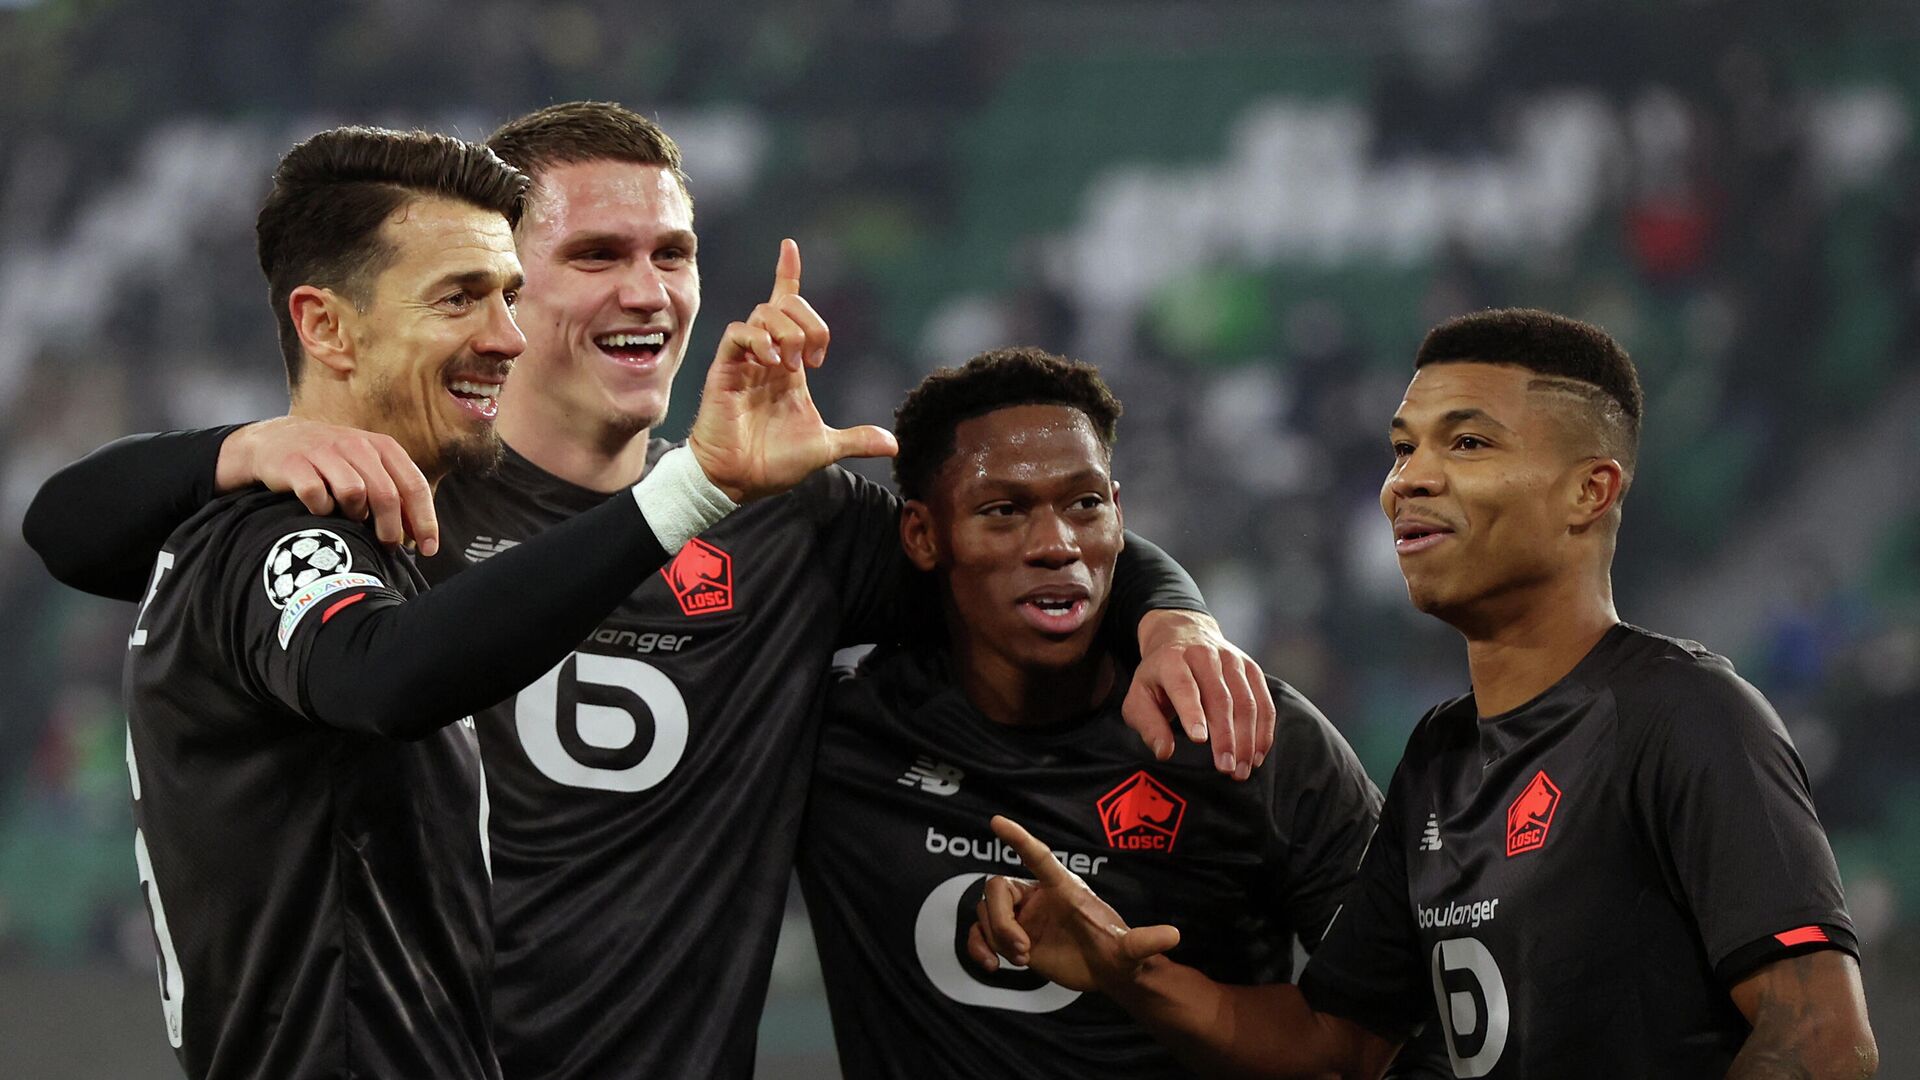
{"points": [[758, 432], [1056, 925], [332, 469]]}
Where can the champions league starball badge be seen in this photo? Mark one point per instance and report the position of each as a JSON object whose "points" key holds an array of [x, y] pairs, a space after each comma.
{"points": [[300, 558]]}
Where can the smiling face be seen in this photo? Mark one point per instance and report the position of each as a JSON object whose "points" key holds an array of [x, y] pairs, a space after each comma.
{"points": [[1490, 493], [437, 338], [612, 292], [1023, 524]]}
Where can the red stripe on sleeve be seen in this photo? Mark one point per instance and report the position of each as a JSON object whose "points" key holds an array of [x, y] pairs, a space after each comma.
{"points": [[359, 596], [1805, 935]]}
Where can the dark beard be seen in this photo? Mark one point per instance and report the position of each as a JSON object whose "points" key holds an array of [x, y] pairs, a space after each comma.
{"points": [[475, 456]]}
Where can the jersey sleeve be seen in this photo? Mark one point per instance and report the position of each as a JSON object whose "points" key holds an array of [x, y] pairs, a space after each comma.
{"points": [[859, 523], [284, 578], [1725, 799], [1369, 967], [145, 485], [1324, 807], [405, 669]]}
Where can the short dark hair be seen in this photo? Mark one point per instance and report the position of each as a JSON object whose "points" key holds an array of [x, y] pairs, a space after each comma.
{"points": [[578, 131], [1568, 355], [925, 422], [321, 222]]}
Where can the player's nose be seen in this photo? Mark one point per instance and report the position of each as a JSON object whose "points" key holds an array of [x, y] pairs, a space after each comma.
{"points": [[1414, 475], [499, 334], [1051, 540], [643, 288]]}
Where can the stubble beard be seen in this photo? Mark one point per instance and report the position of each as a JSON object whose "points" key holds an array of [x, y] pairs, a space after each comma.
{"points": [[475, 454]]}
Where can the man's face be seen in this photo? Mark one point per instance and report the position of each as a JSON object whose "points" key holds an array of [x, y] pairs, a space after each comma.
{"points": [[612, 291], [1025, 526], [438, 337], [1478, 490]]}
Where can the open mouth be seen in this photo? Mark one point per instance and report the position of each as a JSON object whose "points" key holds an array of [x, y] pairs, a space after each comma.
{"points": [[640, 350], [479, 399], [1056, 611], [1413, 537]]}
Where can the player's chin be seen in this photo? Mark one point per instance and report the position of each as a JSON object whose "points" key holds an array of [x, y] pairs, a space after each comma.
{"points": [[474, 453]]}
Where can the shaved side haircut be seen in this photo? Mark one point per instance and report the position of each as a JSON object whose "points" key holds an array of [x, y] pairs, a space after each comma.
{"points": [[1576, 362]]}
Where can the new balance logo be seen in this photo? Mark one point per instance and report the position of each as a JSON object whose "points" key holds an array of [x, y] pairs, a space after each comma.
{"points": [[486, 547], [933, 777], [1430, 839]]}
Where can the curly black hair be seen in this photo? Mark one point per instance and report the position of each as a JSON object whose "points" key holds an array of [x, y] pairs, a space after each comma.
{"points": [[926, 421]]}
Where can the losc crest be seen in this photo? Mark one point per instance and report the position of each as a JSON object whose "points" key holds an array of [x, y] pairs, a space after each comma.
{"points": [[1142, 814], [701, 577]]}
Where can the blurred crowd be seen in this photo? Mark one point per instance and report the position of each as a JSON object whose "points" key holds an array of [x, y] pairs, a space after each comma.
{"points": [[1246, 216]]}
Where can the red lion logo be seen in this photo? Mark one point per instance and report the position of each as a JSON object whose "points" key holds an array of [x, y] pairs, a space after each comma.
{"points": [[701, 578], [1531, 815], [1142, 814]]}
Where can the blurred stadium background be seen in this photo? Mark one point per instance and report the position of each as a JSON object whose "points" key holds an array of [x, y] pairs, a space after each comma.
{"points": [[1246, 212]]}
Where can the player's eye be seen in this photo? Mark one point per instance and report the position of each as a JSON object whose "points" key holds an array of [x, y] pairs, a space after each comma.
{"points": [[673, 256], [459, 301], [1470, 442], [594, 259], [1402, 448], [512, 297], [999, 510], [1089, 501]]}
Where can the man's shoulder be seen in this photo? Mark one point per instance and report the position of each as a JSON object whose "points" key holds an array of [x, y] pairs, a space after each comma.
{"points": [[1659, 676]]}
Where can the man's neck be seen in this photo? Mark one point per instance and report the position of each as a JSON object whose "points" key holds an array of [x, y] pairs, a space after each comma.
{"points": [[1517, 652], [1008, 693], [571, 447]]}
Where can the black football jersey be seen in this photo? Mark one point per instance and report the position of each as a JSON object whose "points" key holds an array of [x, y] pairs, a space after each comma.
{"points": [[896, 849], [646, 792], [318, 893], [1573, 886]]}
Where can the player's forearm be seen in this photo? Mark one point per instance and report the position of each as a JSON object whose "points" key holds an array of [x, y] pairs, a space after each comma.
{"points": [[1219, 1029], [1806, 1044], [1147, 579], [98, 523], [408, 669], [1790, 1057]]}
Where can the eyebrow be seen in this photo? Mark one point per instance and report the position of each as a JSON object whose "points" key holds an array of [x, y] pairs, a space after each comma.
{"points": [[673, 238], [478, 281], [1456, 417], [1084, 476]]}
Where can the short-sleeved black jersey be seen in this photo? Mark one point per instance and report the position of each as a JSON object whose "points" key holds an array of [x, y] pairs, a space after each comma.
{"points": [[896, 848], [1575, 884], [646, 793], [318, 893]]}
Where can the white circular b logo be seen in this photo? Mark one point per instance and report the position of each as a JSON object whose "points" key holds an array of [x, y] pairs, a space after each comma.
{"points": [[1462, 968], [603, 727], [936, 940]]}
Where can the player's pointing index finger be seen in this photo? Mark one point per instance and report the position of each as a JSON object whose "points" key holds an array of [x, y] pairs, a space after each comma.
{"points": [[1037, 856], [786, 273]]}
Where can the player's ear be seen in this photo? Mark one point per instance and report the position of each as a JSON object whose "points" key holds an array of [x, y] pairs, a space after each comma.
{"points": [[324, 320], [1599, 484], [1119, 515], [916, 535]]}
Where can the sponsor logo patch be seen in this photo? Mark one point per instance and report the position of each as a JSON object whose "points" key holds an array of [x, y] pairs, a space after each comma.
{"points": [[1430, 838], [481, 548], [299, 559], [933, 777], [308, 598], [1142, 814], [1805, 935], [1531, 815], [701, 577]]}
